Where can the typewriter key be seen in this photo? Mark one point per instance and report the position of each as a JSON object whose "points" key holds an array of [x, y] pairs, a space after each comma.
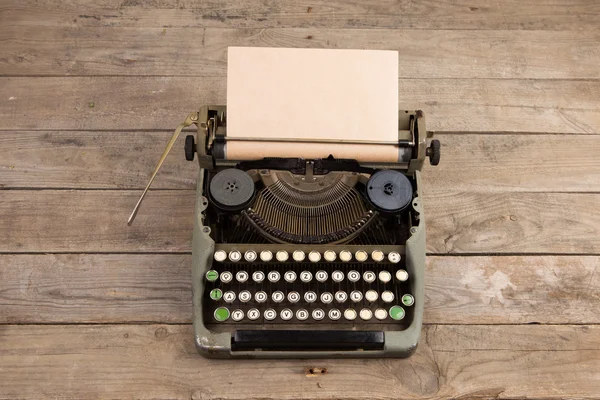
{"points": [[397, 313], [270, 314], [293, 297], [318, 314], [377, 255], [387, 296], [385, 276], [314, 256], [286, 314], [326, 297], [282, 256], [235, 256], [250, 256], [221, 314], [277, 296], [341, 296], [353, 276], [345, 255], [289, 276], [253, 314], [394, 257], [389, 190], [337, 276], [366, 314], [361, 255], [273, 276], [380, 314], [220, 255], [231, 189], [258, 276], [334, 314], [229, 296], [305, 276], [356, 296], [408, 300], [401, 275], [237, 315], [260, 297], [330, 255], [266, 255], [310, 296], [245, 296], [212, 275], [350, 314], [371, 295], [298, 255], [216, 294], [226, 277], [302, 314], [369, 276], [241, 276], [321, 276]]}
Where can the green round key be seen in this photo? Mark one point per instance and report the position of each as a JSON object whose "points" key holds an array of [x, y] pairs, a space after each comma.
{"points": [[408, 300], [216, 294], [397, 313], [221, 314], [212, 275]]}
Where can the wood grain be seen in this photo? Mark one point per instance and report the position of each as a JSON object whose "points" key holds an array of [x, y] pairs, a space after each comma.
{"points": [[160, 362], [203, 51], [451, 105], [124, 160], [457, 222], [141, 288], [460, 14]]}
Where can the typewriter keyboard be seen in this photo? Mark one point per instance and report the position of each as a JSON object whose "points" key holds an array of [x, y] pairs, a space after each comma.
{"points": [[356, 285]]}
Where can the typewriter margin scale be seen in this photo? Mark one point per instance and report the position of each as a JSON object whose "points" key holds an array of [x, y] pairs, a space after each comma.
{"points": [[211, 122]]}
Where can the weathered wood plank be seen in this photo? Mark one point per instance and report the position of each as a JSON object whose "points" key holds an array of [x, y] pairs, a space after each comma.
{"points": [[460, 14], [457, 222], [203, 51], [453, 105], [134, 288], [124, 160], [160, 362]]}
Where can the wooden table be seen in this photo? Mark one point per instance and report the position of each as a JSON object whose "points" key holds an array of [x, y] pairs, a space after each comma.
{"points": [[90, 92]]}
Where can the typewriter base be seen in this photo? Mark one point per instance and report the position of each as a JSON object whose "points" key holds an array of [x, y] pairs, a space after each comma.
{"points": [[213, 344]]}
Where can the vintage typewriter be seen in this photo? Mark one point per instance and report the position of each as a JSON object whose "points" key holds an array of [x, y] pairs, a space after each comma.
{"points": [[297, 257]]}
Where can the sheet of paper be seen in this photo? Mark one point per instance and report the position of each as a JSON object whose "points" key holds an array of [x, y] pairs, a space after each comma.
{"points": [[311, 94]]}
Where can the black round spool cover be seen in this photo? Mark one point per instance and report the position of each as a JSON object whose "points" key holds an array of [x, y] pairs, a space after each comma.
{"points": [[389, 190], [231, 188]]}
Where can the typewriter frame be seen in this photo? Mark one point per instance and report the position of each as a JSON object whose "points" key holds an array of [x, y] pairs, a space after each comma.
{"points": [[397, 343]]}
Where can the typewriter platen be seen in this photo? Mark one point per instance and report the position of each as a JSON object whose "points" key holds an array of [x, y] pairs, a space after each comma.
{"points": [[297, 257]]}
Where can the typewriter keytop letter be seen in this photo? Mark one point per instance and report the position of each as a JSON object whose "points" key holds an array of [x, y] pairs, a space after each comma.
{"points": [[337, 276], [302, 314], [369, 276], [241, 276], [237, 315], [274, 276], [290, 276], [334, 314], [318, 314], [260, 297], [258, 276], [310, 296], [293, 297], [250, 256], [229, 296], [353, 276], [321, 276], [305, 276], [270, 314], [253, 314], [244, 296], [326, 297], [341, 296], [356, 296], [226, 277], [278, 296], [286, 314]]}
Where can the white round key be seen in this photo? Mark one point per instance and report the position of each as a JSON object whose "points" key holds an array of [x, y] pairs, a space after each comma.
{"points": [[310, 296], [270, 314], [278, 296], [361, 256], [334, 314], [260, 297], [337, 276], [302, 314], [387, 296], [377, 255], [250, 256], [321, 276], [266, 255], [353, 276], [305, 276], [350, 314], [289, 276], [293, 297], [273, 276], [253, 314], [220, 255], [229, 296], [314, 256], [318, 314], [244, 296], [345, 255], [282, 256], [356, 296], [226, 277], [369, 276], [258, 276], [241, 276], [235, 256], [366, 314], [341, 296], [394, 257], [385, 276], [329, 255], [286, 314], [380, 314], [326, 297], [237, 315], [371, 295], [401, 275], [298, 255]]}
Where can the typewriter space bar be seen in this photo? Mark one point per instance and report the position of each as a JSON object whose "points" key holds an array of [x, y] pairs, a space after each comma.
{"points": [[305, 340]]}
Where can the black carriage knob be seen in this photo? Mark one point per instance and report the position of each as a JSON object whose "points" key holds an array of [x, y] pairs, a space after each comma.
{"points": [[433, 152], [190, 147]]}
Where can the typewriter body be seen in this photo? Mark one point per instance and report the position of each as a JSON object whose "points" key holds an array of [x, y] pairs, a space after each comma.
{"points": [[297, 257]]}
